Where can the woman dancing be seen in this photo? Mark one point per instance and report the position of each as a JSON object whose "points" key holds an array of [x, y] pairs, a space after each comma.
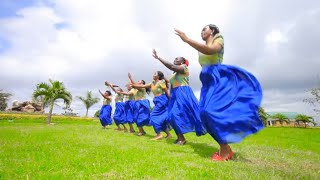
{"points": [[230, 96]]}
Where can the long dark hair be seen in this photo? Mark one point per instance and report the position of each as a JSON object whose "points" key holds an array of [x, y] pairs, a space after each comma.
{"points": [[214, 28], [148, 90], [109, 92], [161, 77]]}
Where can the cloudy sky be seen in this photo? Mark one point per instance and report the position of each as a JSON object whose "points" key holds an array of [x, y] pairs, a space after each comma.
{"points": [[85, 42]]}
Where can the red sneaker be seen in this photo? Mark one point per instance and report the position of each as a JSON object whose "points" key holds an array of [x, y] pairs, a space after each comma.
{"points": [[217, 157]]}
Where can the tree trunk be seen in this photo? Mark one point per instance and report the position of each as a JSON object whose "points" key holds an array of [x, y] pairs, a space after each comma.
{"points": [[87, 113], [50, 113], [43, 106]]}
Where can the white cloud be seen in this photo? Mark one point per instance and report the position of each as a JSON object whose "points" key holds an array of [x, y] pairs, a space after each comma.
{"points": [[275, 36], [104, 39]]}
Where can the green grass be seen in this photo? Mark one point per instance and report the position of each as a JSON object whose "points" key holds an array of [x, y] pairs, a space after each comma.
{"points": [[80, 149]]}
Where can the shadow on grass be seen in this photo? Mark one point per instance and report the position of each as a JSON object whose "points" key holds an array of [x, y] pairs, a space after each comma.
{"points": [[171, 140], [146, 135], [237, 157], [204, 150], [133, 134]]}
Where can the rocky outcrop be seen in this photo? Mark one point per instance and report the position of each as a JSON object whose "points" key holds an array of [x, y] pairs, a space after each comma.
{"points": [[29, 107]]}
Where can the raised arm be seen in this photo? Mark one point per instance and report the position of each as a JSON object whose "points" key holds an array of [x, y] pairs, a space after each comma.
{"points": [[207, 49], [141, 85], [126, 93], [106, 97], [111, 86], [130, 78], [172, 67]]}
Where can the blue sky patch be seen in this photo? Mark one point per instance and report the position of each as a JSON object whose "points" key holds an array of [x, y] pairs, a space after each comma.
{"points": [[10, 7], [62, 25], [4, 44]]}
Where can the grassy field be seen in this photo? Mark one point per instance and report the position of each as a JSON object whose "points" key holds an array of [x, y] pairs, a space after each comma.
{"points": [[80, 149]]}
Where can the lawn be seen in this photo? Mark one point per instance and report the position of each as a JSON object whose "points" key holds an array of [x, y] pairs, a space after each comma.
{"points": [[80, 149]]}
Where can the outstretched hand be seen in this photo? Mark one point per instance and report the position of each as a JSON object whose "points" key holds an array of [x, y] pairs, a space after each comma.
{"points": [[107, 83], [129, 75], [182, 35], [154, 54]]}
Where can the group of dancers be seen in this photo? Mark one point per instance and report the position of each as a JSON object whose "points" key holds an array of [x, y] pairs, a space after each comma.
{"points": [[228, 106]]}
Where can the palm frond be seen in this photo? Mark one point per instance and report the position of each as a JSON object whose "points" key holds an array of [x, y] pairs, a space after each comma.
{"points": [[43, 85], [89, 100], [67, 99], [38, 93], [80, 98], [95, 100]]}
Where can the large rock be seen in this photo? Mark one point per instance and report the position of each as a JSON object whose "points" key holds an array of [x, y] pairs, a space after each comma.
{"points": [[29, 107], [37, 107]]}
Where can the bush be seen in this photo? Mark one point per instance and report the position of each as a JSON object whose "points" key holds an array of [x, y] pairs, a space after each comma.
{"points": [[97, 114]]}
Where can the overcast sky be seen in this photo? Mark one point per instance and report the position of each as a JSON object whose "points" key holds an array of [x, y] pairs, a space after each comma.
{"points": [[85, 42]]}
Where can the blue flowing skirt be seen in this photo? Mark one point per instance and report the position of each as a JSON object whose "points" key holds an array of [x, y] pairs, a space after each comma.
{"points": [[120, 113], [129, 108], [105, 115], [229, 102], [183, 111], [142, 112], [159, 114]]}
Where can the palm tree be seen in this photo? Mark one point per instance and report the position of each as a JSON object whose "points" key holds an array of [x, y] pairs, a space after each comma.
{"points": [[263, 115], [304, 118], [41, 101], [88, 101], [280, 117], [51, 92]]}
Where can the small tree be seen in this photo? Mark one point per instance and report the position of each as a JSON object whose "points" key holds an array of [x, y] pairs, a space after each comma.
{"points": [[305, 119], [315, 100], [51, 92], [4, 100], [263, 115], [97, 113], [88, 101], [68, 111], [280, 117]]}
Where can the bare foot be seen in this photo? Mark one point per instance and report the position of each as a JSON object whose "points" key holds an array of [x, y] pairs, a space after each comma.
{"points": [[168, 136], [141, 134], [224, 151], [181, 143], [158, 137]]}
